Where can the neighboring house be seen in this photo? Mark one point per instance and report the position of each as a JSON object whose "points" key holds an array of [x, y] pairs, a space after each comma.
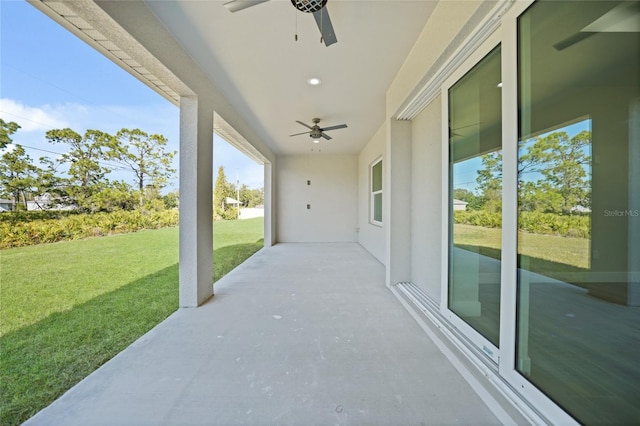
{"points": [[46, 202], [231, 202], [580, 210], [33, 206], [6, 205], [459, 204], [424, 87]]}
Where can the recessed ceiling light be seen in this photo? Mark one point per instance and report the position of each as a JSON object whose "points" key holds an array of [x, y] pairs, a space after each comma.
{"points": [[314, 81]]}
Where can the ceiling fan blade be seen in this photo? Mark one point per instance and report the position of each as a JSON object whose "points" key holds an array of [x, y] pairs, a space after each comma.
{"points": [[571, 40], [298, 134], [327, 137], [339, 126], [236, 5], [325, 26], [625, 17], [305, 125]]}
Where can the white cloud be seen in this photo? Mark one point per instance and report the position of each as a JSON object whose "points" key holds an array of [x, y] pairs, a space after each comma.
{"points": [[32, 119], [155, 118], [161, 118]]}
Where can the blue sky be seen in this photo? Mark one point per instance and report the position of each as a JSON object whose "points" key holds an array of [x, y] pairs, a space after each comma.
{"points": [[466, 172], [50, 79]]}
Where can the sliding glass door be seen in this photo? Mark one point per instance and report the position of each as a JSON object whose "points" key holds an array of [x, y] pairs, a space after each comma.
{"points": [[475, 197], [542, 206], [578, 305]]}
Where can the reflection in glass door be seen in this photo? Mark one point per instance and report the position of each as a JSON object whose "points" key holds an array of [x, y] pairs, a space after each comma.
{"points": [[475, 197], [578, 311]]}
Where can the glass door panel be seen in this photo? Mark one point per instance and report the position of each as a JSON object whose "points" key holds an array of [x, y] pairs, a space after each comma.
{"points": [[578, 311], [475, 197]]}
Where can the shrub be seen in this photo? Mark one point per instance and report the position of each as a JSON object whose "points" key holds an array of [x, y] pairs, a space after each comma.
{"points": [[28, 216], [52, 229], [577, 226], [555, 224], [478, 218]]}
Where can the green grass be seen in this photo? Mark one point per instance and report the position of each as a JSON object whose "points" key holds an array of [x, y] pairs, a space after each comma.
{"points": [[562, 258], [67, 308]]}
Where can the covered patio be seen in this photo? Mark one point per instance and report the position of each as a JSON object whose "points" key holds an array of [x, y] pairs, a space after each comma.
{"points": [[351, 313], [299, 334]]}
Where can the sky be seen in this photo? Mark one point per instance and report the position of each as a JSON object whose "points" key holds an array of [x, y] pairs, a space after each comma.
{"points": [[50, 79], [465, 172]]}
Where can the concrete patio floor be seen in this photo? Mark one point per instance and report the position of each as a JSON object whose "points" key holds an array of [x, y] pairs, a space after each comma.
{"points": [[299, 334]]}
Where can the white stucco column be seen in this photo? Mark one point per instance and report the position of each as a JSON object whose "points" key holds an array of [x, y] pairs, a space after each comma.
{"points": [[269, 205], [196, 205], [397, 202]]}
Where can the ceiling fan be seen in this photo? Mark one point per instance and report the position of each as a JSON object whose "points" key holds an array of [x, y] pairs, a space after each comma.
{"points": [[317, 7], [454, 132], [316, 132], [623, 18]]}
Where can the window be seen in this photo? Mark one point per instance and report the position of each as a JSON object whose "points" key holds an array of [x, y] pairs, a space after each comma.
{"points": [[475, 197], [578, 303], [376, 193]]}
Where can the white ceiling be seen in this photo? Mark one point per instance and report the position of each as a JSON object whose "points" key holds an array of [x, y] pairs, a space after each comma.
{"points": [[253, 58]]}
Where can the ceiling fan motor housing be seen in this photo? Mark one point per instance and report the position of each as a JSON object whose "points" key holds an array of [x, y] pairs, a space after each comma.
{"points": [[309, 6]]}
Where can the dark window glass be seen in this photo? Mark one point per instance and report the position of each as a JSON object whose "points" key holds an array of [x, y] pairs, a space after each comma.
{"points": [[475, 196], [578, 334]]}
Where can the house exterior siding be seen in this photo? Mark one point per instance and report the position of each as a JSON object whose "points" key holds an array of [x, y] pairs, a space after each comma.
{"points": [[328, 185], [426, 185], [370, 236]]}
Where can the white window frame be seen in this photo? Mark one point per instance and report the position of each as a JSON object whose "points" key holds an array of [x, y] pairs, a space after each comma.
{"points": [[508, 300], [491, 351], [373, 193]]}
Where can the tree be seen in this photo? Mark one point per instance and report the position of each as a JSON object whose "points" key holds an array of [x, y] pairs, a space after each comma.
{"points": [[6, 130], [48, 181], [116, 195], [489, 181], [538, 196], [561, 162], [146, 156], [17, 174], [222, 190], [171, 200], [244, 195], [84, 157], [251, 197], [565, 170], [257, 197]]}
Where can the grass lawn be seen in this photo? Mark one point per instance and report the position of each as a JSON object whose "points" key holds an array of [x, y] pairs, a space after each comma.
{"points": [[556, 257], [67, 308]]}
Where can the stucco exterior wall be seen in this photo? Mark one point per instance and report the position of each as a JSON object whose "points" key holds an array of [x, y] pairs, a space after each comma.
{"points": [[449, 24], [446, 28], [426, 199], [370, 236], [332, 196]]}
